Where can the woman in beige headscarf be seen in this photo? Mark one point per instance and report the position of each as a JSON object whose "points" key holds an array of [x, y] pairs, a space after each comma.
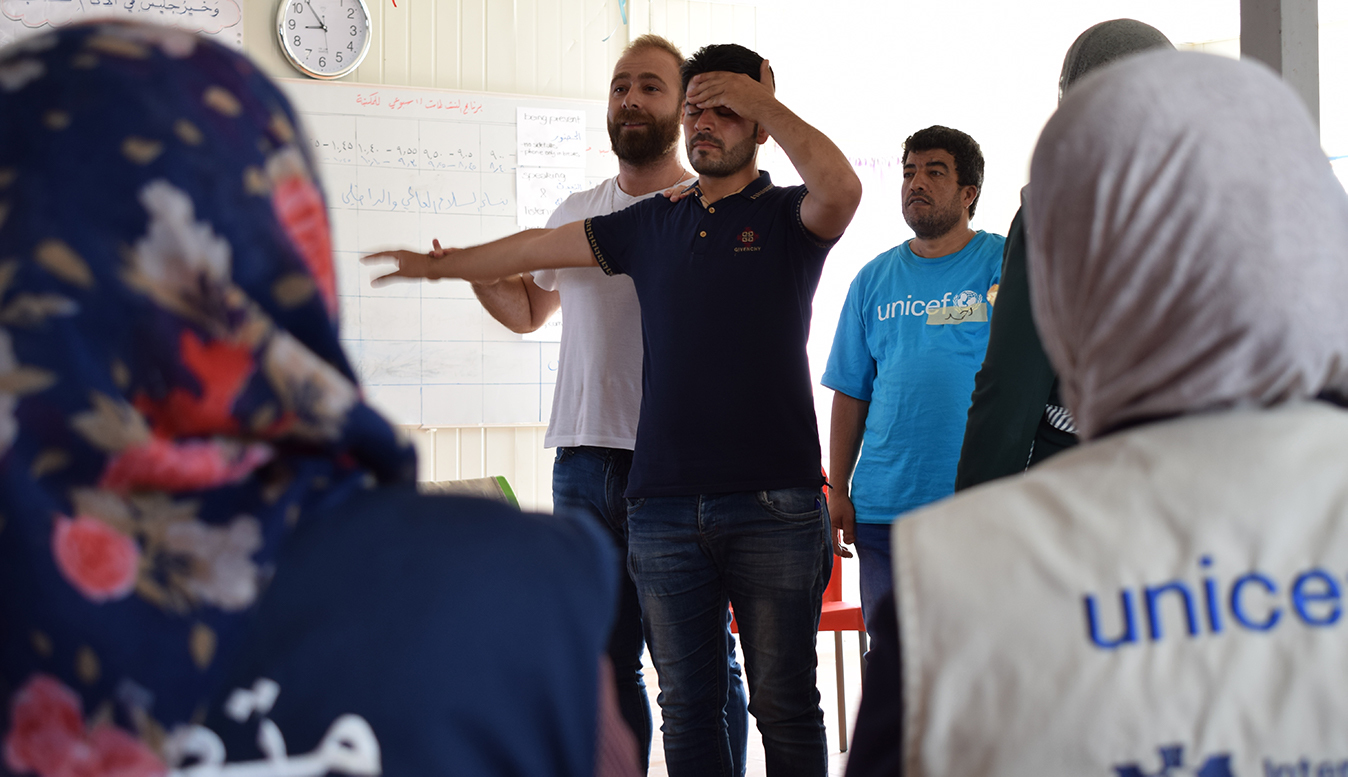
{"points": [[1167, 597]]}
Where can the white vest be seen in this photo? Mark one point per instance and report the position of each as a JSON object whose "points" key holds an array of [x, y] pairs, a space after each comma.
{"points": [[1168, 600]]}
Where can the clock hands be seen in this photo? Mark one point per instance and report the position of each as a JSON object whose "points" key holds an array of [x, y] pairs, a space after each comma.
{"points": [[326, 58], [322, 25]]}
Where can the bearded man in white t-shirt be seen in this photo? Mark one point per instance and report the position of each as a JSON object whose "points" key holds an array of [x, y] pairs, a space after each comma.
{"points": [[598, 394]]}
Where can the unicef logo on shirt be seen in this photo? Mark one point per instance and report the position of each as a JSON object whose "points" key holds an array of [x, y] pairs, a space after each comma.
{"points": [[967, 297], [950, 308]]}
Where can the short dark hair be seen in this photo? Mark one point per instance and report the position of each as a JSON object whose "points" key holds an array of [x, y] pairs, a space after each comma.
{"points": [[730, 57], [968, 156]]}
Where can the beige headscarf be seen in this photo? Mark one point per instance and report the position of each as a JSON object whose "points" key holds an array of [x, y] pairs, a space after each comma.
{"points": [[1188, 243]]}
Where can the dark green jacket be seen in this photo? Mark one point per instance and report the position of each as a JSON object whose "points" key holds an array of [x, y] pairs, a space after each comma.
{"points": [[1006, 431]]}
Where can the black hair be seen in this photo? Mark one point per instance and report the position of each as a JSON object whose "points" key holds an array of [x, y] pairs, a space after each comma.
{"points": [[968, 156], [730, 57]]}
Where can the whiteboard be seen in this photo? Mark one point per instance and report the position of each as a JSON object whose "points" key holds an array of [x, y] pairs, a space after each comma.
{"points": [[401, 166]]}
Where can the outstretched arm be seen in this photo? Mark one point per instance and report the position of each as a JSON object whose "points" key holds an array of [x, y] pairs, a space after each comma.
{"points": [[516, 300], [532, 249], [835, 190]]}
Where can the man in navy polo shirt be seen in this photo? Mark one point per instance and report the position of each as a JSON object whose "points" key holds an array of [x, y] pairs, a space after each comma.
{"points": [[724, 499]]}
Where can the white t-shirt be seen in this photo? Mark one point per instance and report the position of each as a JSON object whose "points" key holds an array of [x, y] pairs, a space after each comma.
{"points": [[598, 396]]}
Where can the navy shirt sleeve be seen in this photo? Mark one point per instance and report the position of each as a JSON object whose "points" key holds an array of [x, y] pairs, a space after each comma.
{"points": [[816, 240], [613, 237]]}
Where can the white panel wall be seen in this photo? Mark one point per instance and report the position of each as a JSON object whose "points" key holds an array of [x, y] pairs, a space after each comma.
{"points": [[561, 48], [558, 48]]}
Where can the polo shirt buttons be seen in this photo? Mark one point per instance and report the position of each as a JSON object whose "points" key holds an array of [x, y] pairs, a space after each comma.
{"points": [[711, 210], [702, 234]]}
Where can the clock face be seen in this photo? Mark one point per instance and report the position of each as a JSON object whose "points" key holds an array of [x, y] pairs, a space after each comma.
{"points": [[324, 38]]}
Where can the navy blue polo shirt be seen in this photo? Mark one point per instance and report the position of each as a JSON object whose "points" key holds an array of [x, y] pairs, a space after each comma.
{"points": [[725, 293]]}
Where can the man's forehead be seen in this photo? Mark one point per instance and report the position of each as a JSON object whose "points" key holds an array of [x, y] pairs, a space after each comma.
{"points": [[647, 63], [645, 75], [933, 157]]}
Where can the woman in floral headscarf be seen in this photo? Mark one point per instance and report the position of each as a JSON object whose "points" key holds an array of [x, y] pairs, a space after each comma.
{"points": [[174, 405]]}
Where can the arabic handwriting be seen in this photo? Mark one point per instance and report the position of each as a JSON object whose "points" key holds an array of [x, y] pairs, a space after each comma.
{"points": [[195, 742], [270, 741], [160, 7], [416, 200], [464, 107], [349, 746], [243, 702]]}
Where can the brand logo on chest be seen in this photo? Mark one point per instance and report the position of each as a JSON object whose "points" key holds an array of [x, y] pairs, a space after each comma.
{"points": [[747, 237]]}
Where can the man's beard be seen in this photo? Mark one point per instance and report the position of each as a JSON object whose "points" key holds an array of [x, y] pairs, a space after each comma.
{"points": [[642, 147], [732, 159], [936, 222]]}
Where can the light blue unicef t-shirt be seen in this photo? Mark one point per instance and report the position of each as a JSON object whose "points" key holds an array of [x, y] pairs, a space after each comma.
{"points": [[911, 336]]}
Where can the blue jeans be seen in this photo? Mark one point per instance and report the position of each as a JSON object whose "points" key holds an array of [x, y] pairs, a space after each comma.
{"points": [[590, 482], [875, 566], [769, 554]]}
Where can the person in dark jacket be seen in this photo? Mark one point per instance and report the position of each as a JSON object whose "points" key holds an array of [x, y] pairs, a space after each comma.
{"points": [[1017, 418]]}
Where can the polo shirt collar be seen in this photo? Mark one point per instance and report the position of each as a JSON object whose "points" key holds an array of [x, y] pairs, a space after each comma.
{"points": [[751, 190]]}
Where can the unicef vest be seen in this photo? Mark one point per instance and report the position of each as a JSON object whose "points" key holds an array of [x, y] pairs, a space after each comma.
{"points": [[1166, 601]]}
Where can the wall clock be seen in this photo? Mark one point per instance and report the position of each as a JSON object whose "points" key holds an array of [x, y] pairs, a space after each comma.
{"points": [[324, 38]]}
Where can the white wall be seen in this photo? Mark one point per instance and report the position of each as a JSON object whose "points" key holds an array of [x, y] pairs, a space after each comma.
{"points": [[560, 48]]}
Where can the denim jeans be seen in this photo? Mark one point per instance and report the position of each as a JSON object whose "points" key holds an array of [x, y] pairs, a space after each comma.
{"points": [[875, 567], [767, 553], [590, 481]]}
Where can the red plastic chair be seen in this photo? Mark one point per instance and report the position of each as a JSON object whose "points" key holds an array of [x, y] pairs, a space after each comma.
{"points": [[836, 616]]}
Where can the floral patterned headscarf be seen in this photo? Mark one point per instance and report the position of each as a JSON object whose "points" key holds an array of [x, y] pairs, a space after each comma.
{"points": [[173, 397]]}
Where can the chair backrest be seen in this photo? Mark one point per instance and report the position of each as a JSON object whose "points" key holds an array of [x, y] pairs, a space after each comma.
{"points": [[497, 488]]}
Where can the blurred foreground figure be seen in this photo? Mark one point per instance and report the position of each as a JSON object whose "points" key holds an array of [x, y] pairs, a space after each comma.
{"points": [[1168, 596], [195, 497]]}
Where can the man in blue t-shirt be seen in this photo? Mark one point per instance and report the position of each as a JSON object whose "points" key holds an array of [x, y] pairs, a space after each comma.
{"points": [[909, 341], [724, 496]]}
